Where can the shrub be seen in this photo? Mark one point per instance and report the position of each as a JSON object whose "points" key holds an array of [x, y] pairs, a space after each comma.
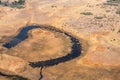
{"points": [[87, 13]]}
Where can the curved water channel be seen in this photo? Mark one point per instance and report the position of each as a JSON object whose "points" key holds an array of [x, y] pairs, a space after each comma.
{"points": [[76, 47]]}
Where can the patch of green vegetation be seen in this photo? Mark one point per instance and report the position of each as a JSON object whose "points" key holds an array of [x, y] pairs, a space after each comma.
{"points": [[21, 1], [98, 17], [86, 13], [16, 4]]}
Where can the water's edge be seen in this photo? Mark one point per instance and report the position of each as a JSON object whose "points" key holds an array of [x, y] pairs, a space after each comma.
{"points": [[76, 47]]}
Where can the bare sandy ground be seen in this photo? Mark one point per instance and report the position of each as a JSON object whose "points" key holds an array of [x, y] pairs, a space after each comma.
{"points": [[95, 23]]}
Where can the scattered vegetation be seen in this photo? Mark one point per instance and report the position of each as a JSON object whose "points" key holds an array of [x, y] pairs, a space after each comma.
{"points": [[113, 2], [87, 13], [14, 4]]}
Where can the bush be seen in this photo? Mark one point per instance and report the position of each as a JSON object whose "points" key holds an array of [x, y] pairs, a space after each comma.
{"points": [[99, 17], [15, 4], [87, 13]]}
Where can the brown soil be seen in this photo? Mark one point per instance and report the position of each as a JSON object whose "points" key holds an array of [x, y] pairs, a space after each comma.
{"points": [[42, 45], [96, 23]]}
